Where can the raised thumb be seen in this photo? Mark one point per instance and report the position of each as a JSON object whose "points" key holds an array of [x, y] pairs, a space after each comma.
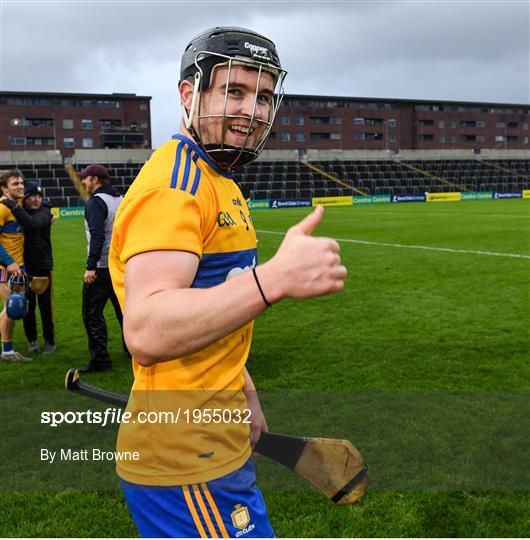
{"points": [[310, 222]]}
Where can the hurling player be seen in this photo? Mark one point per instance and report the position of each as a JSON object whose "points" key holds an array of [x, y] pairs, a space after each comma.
{"points": [[11, 254], [185, 269]]}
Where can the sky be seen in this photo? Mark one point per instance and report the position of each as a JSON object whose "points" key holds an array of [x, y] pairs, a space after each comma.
{"points": [[451, 50]]}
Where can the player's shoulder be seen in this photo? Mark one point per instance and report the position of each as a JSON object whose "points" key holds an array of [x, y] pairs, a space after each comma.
{"points": [[180, 165], [5, 213]]}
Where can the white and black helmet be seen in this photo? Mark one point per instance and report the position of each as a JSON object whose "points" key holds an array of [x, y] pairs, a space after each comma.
{"points": [[227, 45]]}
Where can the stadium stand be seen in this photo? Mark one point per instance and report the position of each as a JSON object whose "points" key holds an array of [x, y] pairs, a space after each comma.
{"points": [[290, 179], [324, 175]]}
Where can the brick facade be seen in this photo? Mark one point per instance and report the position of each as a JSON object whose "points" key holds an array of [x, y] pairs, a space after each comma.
{"points": [[47, 121]]}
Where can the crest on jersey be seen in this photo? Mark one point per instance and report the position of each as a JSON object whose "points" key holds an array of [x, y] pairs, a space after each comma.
{"points": [[240, 516]]}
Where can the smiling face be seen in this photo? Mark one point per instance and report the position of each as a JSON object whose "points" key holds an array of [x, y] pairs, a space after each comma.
{"points": [[14, 188], [236, 111]]}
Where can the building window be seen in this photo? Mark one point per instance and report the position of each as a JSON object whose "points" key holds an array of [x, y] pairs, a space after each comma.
{"points": [[300, 137], [468, 124], [391, 122], [106, 122], [143, 106], [68, 123], [441, 139], [481, 124], [19, 122], [88, 142], [452, 139], [525, 126], [335, 136], [499, 138], [426, 137], [373, 121], [18, 141], [299, 120], [391, 137], [500, 125], [440, 124], [285, 120], [286, 137], [525, 140], [39, 141], [467, 138], [452, 125], [326, 120], [480, 138], [86, 123], [426, 123], [68, 142], [512, 125], [359, 136], [358, 121], [272, 136]]}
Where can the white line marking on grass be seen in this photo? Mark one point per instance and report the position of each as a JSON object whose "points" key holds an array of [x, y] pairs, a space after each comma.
{"points": [[445, 214], [412, 246]]}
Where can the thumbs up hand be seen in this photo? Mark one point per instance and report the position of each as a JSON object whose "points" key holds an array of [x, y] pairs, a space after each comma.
{"points": [[304, 266]]}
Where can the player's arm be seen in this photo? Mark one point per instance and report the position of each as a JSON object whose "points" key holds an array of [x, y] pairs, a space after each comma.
{"points": [[30, 222], [5, 258], [165, 319]]}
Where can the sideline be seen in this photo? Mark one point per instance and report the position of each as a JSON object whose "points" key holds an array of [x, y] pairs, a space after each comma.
{"points": [[412, 246]]}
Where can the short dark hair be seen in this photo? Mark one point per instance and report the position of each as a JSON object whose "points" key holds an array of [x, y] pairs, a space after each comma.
{"points": [[9, 173]]}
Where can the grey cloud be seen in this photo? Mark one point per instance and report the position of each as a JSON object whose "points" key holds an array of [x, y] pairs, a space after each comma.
{"points": [[432, 50]]}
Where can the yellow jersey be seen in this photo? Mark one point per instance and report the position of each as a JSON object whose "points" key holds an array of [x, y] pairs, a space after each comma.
{"points": [[182, 201], [11, 234]]}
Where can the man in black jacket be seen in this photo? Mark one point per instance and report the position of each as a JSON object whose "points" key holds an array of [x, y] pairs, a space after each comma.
{"points": [[97, 287], [36, 220]]}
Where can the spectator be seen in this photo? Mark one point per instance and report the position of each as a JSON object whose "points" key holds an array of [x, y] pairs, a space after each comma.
{"points": [[97, 288], [36, 219]]}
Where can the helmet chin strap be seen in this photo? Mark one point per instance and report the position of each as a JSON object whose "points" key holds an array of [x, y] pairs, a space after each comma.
{"points": [[188, 118]]}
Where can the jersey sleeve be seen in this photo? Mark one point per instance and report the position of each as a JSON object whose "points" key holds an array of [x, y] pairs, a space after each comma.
{"points": [[160, 219]]}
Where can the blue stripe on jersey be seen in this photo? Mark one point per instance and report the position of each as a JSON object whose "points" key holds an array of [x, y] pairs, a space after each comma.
{"points": [[11, 227], [215, 267], [197, 178], [175, 174], [186, 174]]}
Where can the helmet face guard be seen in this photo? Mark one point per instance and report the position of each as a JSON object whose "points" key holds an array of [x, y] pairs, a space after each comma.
{"points": [[230, 47], [17, 304], [18, 284]]}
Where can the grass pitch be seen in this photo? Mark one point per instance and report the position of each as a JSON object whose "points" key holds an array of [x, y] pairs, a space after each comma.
{"points": [[422, 361]]}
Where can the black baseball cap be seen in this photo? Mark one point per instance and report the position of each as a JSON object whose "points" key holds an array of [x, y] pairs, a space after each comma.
{"points": [[94, 170], [32, 188]]}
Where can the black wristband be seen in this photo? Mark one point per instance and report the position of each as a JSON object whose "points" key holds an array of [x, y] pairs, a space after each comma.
{"points": [[260, 289]]}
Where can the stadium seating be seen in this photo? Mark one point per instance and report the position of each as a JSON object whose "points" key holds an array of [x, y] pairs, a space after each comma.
{"points": [[292, 179], [295, 179]]}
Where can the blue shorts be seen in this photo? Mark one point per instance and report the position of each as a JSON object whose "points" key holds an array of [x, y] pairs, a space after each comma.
{"points": [[229, 507]]}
